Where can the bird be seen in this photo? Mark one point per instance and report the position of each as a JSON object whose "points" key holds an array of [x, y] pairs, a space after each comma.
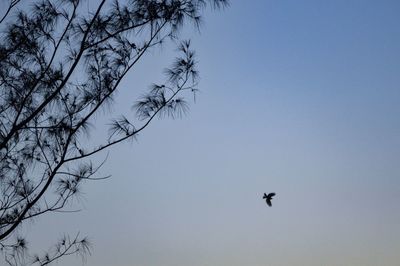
{"points": [[268, 198]]}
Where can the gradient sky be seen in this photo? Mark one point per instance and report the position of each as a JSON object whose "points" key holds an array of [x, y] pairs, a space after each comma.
{"points": [[297, 97]]}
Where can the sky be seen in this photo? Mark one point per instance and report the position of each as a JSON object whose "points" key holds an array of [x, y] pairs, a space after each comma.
{"points": [[300, 98]]}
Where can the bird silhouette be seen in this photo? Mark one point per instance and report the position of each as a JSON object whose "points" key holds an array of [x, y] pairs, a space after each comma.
{"points": [[268, 198]]}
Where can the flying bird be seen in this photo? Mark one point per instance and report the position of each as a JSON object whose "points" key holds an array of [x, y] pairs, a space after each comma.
{"points": [[268, 198]]}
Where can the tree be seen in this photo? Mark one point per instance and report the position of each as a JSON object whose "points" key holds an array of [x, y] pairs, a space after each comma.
{"points": [[59, 66]]}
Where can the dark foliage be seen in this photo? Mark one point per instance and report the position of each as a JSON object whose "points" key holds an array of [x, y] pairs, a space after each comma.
{"points": [[58, 67]]}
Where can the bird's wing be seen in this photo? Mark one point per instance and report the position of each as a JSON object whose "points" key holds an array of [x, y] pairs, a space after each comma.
{"points": [[265, 196], [270, 195], [269, 202]]}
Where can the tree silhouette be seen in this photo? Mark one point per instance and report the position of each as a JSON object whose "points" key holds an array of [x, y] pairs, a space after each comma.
{"points": [[59, 66]]}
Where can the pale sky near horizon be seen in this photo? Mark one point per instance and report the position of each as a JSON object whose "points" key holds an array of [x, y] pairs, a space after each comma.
{"points": [[297, 97]]}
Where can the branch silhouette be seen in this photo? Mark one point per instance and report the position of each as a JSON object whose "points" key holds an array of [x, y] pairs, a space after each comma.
{"points": [[60, 65]]}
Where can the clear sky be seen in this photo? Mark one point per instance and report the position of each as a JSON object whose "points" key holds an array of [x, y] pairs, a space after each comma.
{"points": [[297, 97]]}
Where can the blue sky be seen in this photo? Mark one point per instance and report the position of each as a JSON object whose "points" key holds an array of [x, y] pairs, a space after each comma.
{"points": [[297, 97]]}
